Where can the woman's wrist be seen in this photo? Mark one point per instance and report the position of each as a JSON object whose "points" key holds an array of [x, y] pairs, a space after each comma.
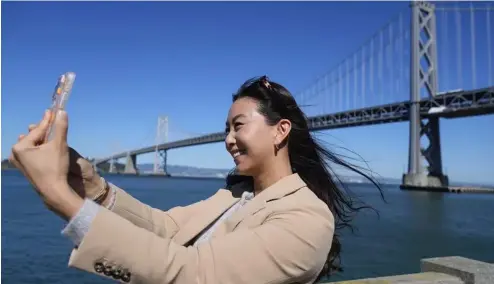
{"points": [[106, 196], [68, 203], [109, 199], [102, 194]]}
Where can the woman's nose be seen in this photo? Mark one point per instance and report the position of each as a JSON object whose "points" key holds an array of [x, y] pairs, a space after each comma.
{"points": [[229, 140]]}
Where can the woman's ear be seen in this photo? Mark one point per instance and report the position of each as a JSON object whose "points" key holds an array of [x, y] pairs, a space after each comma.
{"points": [[283, 129]]}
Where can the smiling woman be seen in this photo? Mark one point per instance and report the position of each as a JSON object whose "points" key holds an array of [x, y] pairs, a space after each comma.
{"points": [[265, 115], [273, 223]]}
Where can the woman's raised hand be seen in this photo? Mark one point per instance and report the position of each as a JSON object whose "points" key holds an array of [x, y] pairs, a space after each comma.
{"points": [[46, 165], [82, 177]]}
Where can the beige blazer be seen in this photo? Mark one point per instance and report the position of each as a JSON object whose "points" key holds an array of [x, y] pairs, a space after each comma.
{"points": [[283, 235]]}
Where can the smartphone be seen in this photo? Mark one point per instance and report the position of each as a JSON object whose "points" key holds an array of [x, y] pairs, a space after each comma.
{"points": [[59, 98]]}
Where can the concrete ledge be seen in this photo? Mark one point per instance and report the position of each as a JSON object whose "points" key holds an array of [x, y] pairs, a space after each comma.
{"points": [[468, 270], [440, 270], [418, 278], [452, 189]]}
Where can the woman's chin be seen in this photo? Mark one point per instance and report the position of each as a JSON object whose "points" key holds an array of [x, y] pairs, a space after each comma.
{"points": [[241, 169]]}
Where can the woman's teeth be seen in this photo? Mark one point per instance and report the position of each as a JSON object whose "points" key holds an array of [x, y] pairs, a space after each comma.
{"points": [[238, 153]]}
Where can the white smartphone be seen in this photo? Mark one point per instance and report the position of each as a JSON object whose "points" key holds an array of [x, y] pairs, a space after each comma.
{"points": [[59, 98]]}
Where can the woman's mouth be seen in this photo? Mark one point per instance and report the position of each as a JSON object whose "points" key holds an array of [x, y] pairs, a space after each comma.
{"points": [[237, 153]]}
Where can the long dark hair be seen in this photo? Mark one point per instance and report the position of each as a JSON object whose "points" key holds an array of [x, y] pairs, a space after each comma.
{"points": [[308, 158]]}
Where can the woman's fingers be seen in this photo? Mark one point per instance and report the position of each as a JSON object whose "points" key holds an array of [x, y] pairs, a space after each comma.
{"points": [[61, 125], [37, 134], [31, 127]]}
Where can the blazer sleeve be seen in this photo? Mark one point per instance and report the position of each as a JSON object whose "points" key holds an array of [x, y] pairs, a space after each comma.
{"points": [[289, 245], [162, 223]]}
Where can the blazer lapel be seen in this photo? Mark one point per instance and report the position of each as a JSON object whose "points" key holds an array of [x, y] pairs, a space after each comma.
{"points": [[279, 189], [248, 209], [213, 208]]}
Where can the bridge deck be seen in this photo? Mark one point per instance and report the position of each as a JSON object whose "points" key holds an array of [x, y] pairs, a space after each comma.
{"points": [[449, 105]]}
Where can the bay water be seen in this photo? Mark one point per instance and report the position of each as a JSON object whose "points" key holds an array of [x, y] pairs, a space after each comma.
{"points": [[410, 226]]}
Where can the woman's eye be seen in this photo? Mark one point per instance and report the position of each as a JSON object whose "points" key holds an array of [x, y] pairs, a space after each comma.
{"points": [[237, 126]]}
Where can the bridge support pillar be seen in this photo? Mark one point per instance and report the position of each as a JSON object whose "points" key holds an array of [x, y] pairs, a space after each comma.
{"points": [[423, 77], [432, 153], [131, 165], [160, 166], [163, 155], [112, 166]]}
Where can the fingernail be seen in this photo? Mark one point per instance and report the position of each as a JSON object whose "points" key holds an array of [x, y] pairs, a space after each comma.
{"points": [[61, 113]]}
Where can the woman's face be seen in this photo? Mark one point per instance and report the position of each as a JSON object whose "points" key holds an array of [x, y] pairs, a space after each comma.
{"points": [[250, 140]]}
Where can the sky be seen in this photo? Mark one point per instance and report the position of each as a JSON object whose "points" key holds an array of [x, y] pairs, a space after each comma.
{"points": [[138, 61]]}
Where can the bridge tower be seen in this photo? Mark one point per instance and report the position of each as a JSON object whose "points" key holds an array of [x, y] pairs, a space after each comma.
{"points": [[161, 137], [423, 77]]}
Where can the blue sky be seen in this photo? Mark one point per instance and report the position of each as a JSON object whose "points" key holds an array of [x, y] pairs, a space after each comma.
{"points": [[137, 61]]}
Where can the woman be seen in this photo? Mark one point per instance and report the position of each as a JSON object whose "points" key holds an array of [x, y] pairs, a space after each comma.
{"points": [[273, 223]]}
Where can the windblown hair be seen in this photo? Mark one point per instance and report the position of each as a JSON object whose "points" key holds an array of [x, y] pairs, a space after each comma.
{"points": [[308, 158]]}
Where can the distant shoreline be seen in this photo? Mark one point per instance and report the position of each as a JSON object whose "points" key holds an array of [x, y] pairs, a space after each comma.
{"points": [[145, 175], [162, 176], [351, 180]]}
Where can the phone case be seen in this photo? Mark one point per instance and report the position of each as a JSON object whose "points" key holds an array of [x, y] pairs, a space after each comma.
{"points": [[60, 96]]}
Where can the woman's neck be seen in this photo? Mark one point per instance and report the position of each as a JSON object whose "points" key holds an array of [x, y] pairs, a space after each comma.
{"points": [[270, 175]]}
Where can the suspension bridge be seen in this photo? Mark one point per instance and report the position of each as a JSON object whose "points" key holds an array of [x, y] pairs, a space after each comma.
{"points": [[430, 62]]}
